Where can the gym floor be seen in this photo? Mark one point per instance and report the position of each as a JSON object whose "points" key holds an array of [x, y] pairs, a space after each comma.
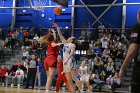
{"points": [[21, 90]]}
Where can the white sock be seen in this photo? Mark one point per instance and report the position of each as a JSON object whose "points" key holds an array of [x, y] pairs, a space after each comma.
{"points": [[47, 91], [81, 90], [82, 86]]}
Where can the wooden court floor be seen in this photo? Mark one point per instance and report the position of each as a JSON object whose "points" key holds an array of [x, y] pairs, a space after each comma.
{"points": [[21, 90]]}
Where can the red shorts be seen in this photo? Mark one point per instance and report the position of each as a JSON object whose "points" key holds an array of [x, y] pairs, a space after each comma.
{"points": [[50, 61], [62, 78]]}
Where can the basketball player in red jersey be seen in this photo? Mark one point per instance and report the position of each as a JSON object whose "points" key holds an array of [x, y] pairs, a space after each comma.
{"points": [[50, 63], [61, 77]]}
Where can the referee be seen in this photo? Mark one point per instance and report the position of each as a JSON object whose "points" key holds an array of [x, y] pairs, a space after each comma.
{"points": [[31, 71], [134, 52]]}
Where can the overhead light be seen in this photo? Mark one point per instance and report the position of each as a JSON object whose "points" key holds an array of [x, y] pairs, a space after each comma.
{"points": [[24, 11], [66, 27]]}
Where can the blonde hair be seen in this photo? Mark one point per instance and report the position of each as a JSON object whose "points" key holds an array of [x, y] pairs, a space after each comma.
{"points": [[43, 39]]}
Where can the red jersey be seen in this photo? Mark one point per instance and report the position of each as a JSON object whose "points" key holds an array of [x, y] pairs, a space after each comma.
{"points": [[11, 33], [3, 71], [26, 33], [53, 50], [60, 67], [51, 59]]}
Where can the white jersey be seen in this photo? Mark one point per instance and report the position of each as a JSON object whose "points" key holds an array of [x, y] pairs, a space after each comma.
{"points": [[83, 71], [66, 50], [71, 64], [84, 75]]}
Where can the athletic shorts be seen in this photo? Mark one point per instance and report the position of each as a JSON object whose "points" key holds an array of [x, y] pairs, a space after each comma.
{"points": [[84, 78], [71, 65], [50, 61]]}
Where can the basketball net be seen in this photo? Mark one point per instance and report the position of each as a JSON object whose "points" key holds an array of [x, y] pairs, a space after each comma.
{"points": [[39, 5]]}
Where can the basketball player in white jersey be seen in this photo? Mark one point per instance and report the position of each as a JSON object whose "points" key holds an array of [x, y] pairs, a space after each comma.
{"points": [[70, 67], [84, 77]]}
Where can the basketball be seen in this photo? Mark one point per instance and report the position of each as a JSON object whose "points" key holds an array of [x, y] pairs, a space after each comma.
{"points": [[57, 10]]}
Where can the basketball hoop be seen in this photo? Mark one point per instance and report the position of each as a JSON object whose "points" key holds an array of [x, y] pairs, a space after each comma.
{"points": [[40, 5]]}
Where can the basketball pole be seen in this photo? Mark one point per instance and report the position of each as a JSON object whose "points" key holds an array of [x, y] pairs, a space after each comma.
{"points": [[77, 6], [72, 18]]}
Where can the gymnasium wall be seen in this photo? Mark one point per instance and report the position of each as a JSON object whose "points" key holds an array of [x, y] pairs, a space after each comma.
{"points": [[5, 14], [35, 19], [112, 18], [131, 13], [32, 18]]}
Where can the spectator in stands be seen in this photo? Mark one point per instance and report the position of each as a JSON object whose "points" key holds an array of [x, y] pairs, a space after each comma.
{"points": [[14, 67], [109, 69], [97, 50], [90, 52], [25, 54], [102, 76], [26, 34], [21, 35], [116, 82], [101, 27], [105, 55], [118, 33], [9, 74], [110, 43], [2, 74], [94, 79], [13, 39], [17, 33], [119, 53], [40, 32], [88, 34], [90, 64], [21, 38], [36, 37], [11, 34], [1, 34], [2, 44], [109, 81], [19, 76], [113, 52], [40, 50], [104, 41], [83, 34], [27, 44], [98, 64], [18, 63], [31, 33], [38, 73], [110, 60], [34, 46], [91, 78]]}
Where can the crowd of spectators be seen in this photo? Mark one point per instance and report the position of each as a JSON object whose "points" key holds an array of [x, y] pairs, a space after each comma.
{"points": [[107, 46], [26, 42]]}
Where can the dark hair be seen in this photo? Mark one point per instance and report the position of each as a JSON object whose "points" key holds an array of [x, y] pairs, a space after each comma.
{"points": [[75, 41], [50, 37]]}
